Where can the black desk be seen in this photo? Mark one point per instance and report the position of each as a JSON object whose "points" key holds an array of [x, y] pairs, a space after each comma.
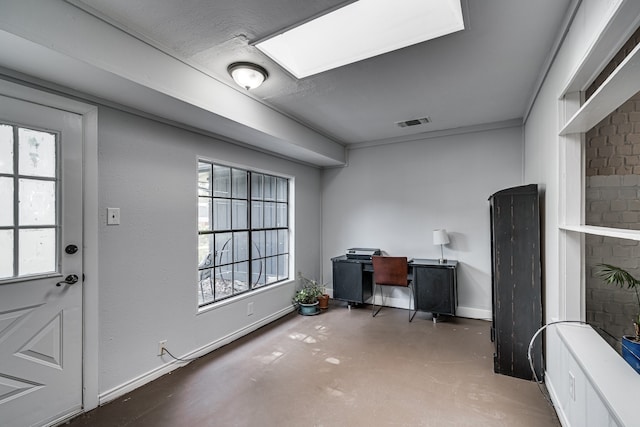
{"points": [[435, 284]]}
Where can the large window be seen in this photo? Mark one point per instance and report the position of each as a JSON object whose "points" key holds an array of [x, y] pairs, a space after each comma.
{"points": [[243, 231]]}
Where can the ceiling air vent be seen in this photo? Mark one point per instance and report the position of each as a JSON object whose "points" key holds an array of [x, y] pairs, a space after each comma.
{"points": [[414, 122]]}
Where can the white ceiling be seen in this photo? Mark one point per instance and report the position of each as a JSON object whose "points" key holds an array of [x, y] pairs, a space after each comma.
{"points": [[487, 73]]}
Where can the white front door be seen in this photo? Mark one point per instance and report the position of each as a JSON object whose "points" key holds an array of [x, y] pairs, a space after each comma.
{"points": [[40, 249]]}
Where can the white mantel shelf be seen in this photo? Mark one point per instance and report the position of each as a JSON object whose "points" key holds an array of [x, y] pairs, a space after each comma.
{"points": [[610, 95], [618, 233]]}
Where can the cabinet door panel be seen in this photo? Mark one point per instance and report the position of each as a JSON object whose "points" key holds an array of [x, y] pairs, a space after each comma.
{"points": [[434, 289], [347, 281]]}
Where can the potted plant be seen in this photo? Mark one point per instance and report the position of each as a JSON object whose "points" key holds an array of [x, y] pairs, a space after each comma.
{"points": [[323, 296], [614, 275], [306, 298]]}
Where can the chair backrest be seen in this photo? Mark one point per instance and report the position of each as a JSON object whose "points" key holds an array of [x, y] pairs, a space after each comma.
{"points": [[390, 270]]}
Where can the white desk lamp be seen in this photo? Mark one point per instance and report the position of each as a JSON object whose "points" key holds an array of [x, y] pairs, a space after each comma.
{"points": [[440, 237]]}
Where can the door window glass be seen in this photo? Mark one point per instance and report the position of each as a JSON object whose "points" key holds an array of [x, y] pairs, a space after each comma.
{"points": [[29, 221]]}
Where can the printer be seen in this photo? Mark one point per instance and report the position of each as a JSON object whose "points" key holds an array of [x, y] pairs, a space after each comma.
{"points": [[362, 253]]}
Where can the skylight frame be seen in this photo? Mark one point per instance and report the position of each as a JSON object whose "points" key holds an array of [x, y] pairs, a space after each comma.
{"points": [[312, 47]]}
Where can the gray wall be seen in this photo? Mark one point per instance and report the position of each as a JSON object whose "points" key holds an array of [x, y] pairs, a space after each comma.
{"points": [[393, 196], [148, 263]]}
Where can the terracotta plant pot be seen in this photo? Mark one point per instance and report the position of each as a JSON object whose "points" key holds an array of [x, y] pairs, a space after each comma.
{"points": [[323, 302]]}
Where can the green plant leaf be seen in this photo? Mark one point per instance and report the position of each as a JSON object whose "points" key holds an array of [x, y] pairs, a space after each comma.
{"points": [[614, 275]]}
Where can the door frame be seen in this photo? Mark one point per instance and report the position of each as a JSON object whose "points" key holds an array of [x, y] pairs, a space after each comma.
{"points": [[90, 223]]}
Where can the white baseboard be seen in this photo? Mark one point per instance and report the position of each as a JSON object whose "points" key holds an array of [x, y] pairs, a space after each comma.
{"points": [[461, 311], [389, 301], [147, 377], [473, 313]]}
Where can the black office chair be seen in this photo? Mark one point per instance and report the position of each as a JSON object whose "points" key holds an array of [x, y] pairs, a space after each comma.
{"points": [[391, 271]]}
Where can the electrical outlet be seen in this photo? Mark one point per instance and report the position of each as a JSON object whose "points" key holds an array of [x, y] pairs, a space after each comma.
{"points": [[250, 309], [162, 345], [572, 386]]}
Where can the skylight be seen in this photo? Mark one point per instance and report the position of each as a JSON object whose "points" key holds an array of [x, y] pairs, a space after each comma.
{"points": [[361, 30]]}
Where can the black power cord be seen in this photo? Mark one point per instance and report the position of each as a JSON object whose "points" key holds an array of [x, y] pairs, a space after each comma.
{"points": [[165, 350]]}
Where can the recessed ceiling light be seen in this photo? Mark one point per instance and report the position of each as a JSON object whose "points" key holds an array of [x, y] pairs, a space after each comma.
{"points": [[361, 30]]}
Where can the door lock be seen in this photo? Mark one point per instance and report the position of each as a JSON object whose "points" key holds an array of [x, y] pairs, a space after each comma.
{"points": [[69, 280], [71, 249]]}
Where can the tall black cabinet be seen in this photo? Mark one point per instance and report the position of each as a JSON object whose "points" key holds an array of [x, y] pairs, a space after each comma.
{"points": [[517, 282]]}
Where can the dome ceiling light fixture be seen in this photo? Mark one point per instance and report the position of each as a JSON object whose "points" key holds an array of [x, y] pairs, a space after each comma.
{"points": [[247, 75]]}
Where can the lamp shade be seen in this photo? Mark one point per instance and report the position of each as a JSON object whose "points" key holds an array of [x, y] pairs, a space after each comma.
{"points": [[247, 75], [440, 237]]}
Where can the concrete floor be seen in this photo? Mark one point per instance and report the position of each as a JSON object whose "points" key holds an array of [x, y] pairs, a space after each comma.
{"points": [[340, 368]]}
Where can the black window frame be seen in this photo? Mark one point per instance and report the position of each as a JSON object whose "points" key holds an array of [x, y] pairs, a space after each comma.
{"points": [[243, 231]]}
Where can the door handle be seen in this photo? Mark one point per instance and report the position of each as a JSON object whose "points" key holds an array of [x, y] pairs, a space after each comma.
{"points": [[69, 280]]}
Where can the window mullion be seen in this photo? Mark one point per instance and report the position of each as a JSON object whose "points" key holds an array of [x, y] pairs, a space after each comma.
{"points": [[16, 207], [249, 232]]}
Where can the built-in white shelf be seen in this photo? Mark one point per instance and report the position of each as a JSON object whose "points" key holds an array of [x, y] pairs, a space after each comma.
{"points": [[623, 83], [611, 378], [618, 233]]}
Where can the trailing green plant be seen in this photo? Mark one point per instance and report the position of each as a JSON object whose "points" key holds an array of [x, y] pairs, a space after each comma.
{"points": [[309, 292], [614, 275]]}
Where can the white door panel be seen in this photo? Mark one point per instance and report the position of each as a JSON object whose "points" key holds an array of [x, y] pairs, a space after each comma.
{"points": [[40, 322]]}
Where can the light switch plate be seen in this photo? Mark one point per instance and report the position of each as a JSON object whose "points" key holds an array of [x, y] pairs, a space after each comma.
{"points": [[113, 216]]}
